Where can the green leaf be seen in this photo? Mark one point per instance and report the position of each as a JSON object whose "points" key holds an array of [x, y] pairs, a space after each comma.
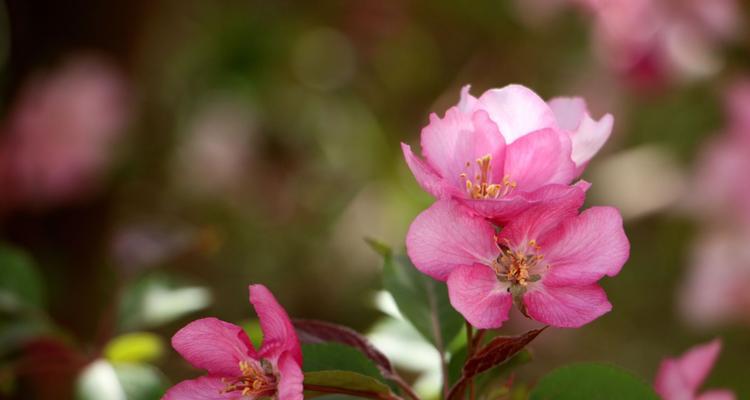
{"points": [[348, 380], [134, 347], [155, 300], [20, 282], [337, 356], [421, 300], [141, 381], [592, 381]]}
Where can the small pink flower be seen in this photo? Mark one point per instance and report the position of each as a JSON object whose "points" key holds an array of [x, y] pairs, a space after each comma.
{"points": [[547, 259], [235, 369], [507, 150], [679, 378]]}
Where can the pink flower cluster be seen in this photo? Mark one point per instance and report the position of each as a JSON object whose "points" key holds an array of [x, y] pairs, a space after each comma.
{"points": [[679, 378], [236, 370], [506, 225]]}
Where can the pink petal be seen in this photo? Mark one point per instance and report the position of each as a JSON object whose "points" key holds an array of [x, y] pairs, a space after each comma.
{"points": [[467, 103], [587, 135], [717, 394], [203, 388], [452, 144], [697, 362], [290, 379], [278, 333], [582, 249], [477, 294], [569, 111], [425, 175], [670, 384], [566, 307], [539, 158], [517, 111], [504, 209], [214, 345], [681, 377], [539, 219], [446, 236]]}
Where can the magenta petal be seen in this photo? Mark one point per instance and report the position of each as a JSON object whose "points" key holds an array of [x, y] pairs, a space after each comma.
{"points": [[476, 293], [566, 307], [504, 209], [203, 388], [214, 345], [697, 362], [278, 333], [290, 380], [539, 158], [446, 236], [583, 249], [670, 384], [537, 220], [425, 175], [517, 110]]}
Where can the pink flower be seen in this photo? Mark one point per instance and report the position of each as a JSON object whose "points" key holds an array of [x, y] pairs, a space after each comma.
{"points": [[547, 259], [507, 150], [679, 378], [235, 369]]}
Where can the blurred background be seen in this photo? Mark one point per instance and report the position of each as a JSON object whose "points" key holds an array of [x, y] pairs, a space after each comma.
{"points": [[158, 156]]}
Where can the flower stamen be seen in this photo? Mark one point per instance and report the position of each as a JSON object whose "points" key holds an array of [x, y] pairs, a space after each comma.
{"points": [[257, 379], [480, 187]]}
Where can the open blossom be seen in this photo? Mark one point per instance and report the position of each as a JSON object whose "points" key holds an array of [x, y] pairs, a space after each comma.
{"points": [[236, 370], [507, 150], [547, 260], [680, 378]]}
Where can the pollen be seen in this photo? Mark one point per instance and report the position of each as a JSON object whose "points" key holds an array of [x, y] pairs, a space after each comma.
{"points": [[258, 379], [517, 267], [481, 187]]}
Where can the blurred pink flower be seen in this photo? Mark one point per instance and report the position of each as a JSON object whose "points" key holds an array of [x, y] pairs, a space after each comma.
{"points": [[547, 259], [235, 369], [60, 133], [507, 150], [651, 40], [715, 290], [680, 378]]}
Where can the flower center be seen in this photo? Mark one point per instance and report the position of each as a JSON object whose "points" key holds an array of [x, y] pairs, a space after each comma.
{"points": [[481, 187], [517, 267], [258, 379]]}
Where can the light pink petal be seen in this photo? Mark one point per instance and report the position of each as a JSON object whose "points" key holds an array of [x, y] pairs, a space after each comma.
{"points": [[670, 384], [517, 111], [290, 378], [582, 249], [214, 345], [717, 394], [538, 159], [452, 144], [278, 333], [539, 219], [477, 294], [504, 209], [467, 103], [425, 175], [697, 362], [446, 236], [566, 307], [203, 388], [569, 111]]}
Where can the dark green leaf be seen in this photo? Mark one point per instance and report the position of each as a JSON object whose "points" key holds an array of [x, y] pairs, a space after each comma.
{"points": [[337, 356], [20, 282], [592, 381], [347, 380]]}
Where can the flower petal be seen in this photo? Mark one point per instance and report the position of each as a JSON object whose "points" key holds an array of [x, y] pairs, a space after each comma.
{"points": [[569, 111], [517, 110], [539, 158], [477, 294], [290, 379], [566, 307], [203, 388], [589, 139], [539, 219], [582, 249], [467, 103], [670, 384], [717, 394], [446, 236], [425, 175], [504, 209], [214, 345], [452, 144], [697, 362], [278, 333]]}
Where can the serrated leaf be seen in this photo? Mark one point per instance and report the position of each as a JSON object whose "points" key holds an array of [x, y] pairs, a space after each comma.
{"points": [[134, 347], [312, 331], [592, 381], [337, 356], [20, 282], [422, 301], [318, 381]]}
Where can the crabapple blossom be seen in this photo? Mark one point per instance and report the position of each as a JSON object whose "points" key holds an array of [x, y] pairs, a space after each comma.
{"points": [[547, 260], [507, 150], [236, 370], [679, 378]]}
